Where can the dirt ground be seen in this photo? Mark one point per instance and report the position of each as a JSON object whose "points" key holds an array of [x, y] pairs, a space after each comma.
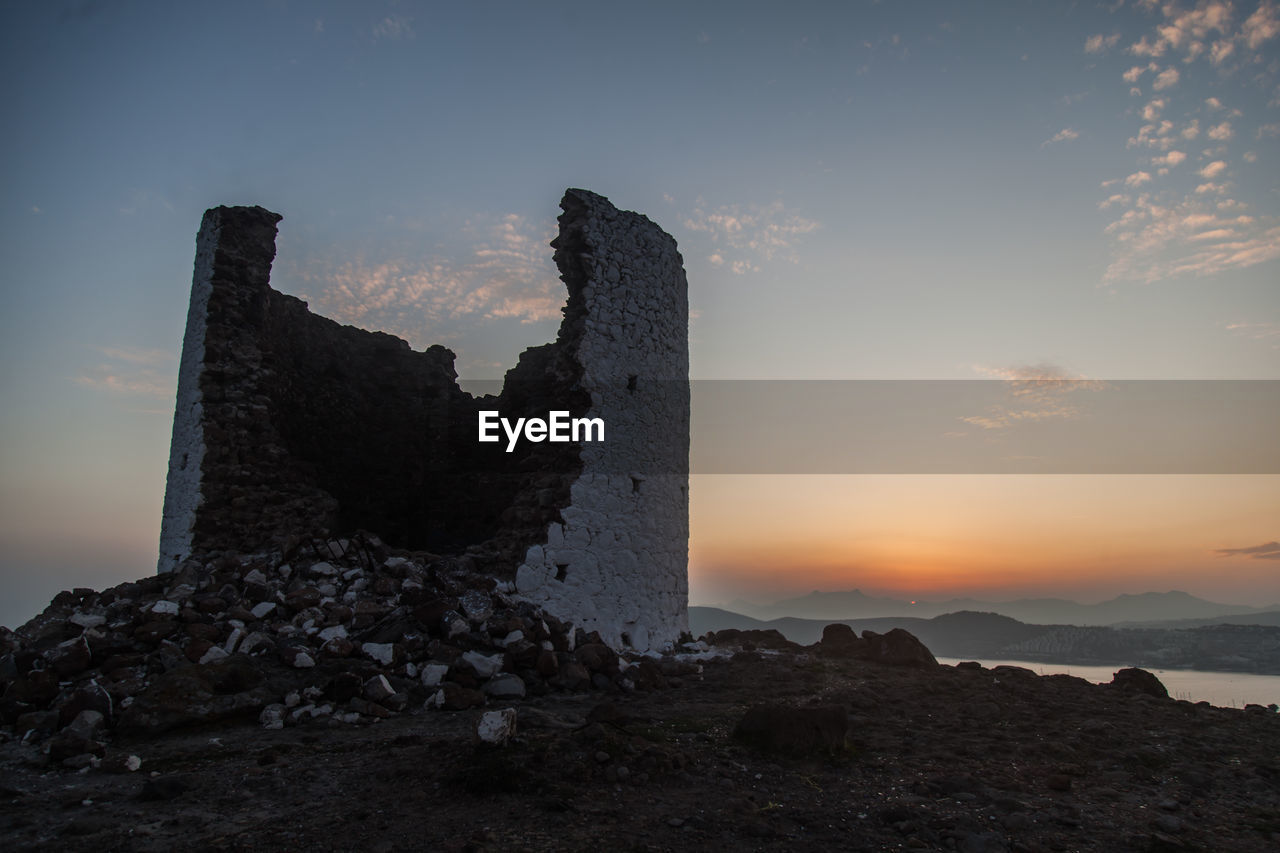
{"points": [[936, 759]]}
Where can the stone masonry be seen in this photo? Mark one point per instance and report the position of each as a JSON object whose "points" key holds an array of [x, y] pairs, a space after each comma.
{"points": [[290, 427]]}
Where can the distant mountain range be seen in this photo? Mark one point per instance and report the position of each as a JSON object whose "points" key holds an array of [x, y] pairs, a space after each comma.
{"points": [[1145, 607], [991, 636]]}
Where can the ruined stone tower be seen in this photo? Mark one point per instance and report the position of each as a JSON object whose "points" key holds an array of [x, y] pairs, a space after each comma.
{"points": [[290, 426]]}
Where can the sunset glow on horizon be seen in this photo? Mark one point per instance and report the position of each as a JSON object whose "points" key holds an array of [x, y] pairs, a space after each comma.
{"points": [[994, 537]]}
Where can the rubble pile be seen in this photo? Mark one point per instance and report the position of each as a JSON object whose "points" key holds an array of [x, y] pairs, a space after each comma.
{"points": [[339, 632]]}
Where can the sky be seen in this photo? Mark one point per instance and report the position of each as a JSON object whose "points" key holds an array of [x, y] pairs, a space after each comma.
{"points": [[1004, 190]]}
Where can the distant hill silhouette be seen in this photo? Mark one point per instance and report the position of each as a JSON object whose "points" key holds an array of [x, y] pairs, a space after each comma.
{"points": [[1128, 608], [991, 636]]}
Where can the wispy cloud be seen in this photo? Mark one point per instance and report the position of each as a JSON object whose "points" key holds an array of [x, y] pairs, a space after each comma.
{"points": [[393, 28], [508, 273], [1221, 132], [1155, 241], [745, 236], [1262, 26], [1188, 31], [1173, 158], [1065, 135], [1213, 170], [1165, 79], [1265, 551], [1100, 43], [1185, 222], [1039, 392], [131, 370], [1265, 332]]}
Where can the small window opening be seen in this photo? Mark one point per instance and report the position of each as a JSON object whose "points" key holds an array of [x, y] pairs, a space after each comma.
{"points": [[562, 569], [631, 383]]}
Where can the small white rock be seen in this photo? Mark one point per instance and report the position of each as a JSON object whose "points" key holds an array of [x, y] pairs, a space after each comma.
{"points": [[486, 666], [87, 620], [383, 653], [433, 674], [165, 608], [496, 727], [215, 654], [262, 609]]}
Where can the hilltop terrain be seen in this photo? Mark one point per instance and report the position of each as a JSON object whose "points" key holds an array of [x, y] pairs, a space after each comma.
{"points": [[358, 698], [860, 755]]}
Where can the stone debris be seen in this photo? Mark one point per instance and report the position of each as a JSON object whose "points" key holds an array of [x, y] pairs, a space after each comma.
{"points": [[360, 635]]}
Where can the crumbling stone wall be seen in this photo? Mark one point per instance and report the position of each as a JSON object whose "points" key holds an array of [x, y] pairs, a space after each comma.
{"points": [[289, 426]]}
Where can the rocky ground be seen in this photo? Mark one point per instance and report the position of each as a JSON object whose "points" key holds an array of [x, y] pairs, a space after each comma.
{"points": [[121, 735]]}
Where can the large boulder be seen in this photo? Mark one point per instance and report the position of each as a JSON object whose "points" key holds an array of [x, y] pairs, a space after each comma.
{"points": [[838, 640], [898, 648], [1136, 680]]}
